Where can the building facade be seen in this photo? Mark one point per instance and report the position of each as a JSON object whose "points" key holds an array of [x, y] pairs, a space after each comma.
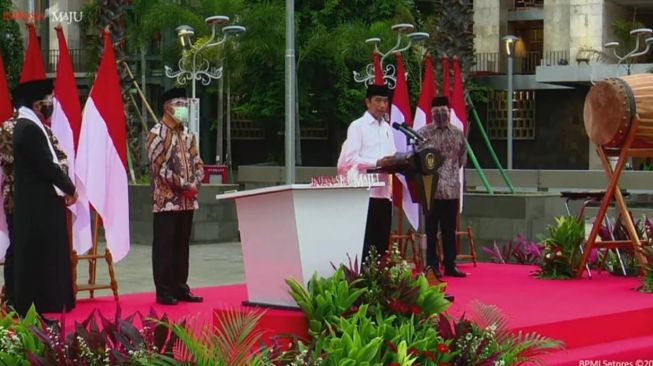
{"points": [[559, 54]]}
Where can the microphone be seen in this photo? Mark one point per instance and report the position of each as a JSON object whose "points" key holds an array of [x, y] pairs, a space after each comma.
{"points": [[408, 131]]}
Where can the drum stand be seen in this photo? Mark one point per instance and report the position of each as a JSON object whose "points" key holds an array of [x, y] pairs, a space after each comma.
{"points": [[613, 192]]}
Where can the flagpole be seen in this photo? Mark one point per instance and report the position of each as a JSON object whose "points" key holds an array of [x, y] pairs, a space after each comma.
{"points": [[290, 92]]}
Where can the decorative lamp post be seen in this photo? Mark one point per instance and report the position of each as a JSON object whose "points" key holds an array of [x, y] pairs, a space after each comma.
{"points": [[639, 33], [510, 41], [200, 67], [404, 31]]}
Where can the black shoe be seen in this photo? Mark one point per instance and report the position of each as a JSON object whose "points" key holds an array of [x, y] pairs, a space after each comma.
{"points": [[166, 300], [454, 272], [189, 297]]}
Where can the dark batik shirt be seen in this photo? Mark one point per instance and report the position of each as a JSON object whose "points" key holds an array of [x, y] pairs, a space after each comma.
{"points": [[174, 165], [450, 142]]}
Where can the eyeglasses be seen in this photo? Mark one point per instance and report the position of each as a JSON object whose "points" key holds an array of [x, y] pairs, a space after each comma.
{"points": [[48, 99], [178, 102]]}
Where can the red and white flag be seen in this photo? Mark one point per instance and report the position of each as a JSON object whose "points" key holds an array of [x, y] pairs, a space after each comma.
{"points": [[33, 68], [65, 123], [101, 161], [459, 116], [6, 111], [6, 108], [423, 115], [400, 113], [459, 110]]}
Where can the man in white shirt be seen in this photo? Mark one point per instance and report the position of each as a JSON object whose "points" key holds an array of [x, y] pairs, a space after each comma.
{"points": [[369, 145]]}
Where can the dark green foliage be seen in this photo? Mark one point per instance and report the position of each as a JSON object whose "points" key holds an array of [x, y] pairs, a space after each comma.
{"points": [[561, 254], [11, 45], [386, 315], [452, 34]]}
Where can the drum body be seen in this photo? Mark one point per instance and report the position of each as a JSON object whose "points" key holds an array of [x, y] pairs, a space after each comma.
{"points": [[611, 105]]}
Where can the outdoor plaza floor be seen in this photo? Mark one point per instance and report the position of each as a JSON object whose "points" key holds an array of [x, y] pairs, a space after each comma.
{"points": [[210, 265]]}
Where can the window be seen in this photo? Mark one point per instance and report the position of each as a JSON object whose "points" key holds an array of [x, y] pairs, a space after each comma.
{"points": [[523, 120]]}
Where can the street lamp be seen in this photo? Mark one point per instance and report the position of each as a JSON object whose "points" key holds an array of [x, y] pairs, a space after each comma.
{"points": [[510, 41], [202, 71], [389, 71], [639, 33]]}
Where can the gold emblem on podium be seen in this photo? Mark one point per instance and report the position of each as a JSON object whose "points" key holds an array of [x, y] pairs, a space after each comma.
{"points": [[430, 161]]}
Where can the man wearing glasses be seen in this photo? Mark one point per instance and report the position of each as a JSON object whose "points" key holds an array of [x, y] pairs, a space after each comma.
{"points": [[176, 172], [42, 189]]}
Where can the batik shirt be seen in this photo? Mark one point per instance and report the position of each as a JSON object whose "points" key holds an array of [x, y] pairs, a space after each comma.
{"points": [[174, 165], [450, 142], [7, 160]]}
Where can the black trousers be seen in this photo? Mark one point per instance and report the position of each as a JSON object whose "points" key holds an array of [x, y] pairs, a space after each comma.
{"points": [[377, 228], [9, 265], [443, 215], [170, 252]]}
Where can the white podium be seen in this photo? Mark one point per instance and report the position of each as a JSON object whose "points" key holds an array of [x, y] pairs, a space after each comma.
{"points": [[295, 231]]}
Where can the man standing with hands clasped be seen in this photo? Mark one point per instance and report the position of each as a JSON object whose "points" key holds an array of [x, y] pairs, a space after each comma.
{"points": [[176, 171], [450, 143]]}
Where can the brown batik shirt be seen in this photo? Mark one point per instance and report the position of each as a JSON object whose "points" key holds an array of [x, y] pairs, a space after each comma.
{"points": [[175, 164], [7, 160], [450, 142]]}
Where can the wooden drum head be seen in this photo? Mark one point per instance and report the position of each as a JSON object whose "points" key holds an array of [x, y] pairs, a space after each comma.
{"points": [[609, 108]]}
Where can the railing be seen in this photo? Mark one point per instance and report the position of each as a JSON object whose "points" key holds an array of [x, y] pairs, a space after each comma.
{"points": [[491, 63], [76, 55], [527, 63], [552, 58], [487, 62], [242, 129]]}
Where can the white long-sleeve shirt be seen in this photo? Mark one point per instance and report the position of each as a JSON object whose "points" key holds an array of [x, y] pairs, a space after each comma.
{"points": [[368, 140]]}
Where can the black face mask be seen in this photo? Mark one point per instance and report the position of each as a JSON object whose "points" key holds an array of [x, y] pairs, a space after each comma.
{"points": [[441, 118], [47, 110]]}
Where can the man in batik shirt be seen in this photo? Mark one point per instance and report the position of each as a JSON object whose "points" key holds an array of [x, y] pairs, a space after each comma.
{"points": [[176, 171], [450, 142]]}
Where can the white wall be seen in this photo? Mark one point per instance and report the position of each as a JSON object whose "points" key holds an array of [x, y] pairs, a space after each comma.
{"points": [[70, 28], [486, 25], [556, 25], [586, 22]]}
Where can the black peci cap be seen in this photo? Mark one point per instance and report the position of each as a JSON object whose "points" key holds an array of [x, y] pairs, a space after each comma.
{"points": [[173, 93], [440, 102], [377, 90], [29, 92]]}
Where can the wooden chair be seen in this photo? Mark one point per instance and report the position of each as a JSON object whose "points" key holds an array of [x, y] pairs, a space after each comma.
{"points": [[470, 239], [92, 257], [460, 256]]}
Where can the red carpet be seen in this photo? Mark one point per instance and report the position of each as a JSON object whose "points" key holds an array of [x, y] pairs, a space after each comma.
{"points": [[601, 318], [230, 296]]}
